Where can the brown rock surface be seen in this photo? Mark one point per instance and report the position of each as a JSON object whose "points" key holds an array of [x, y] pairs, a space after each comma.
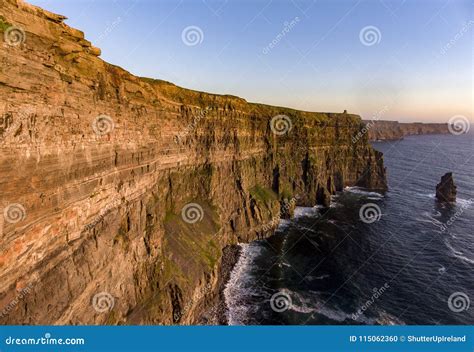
{"points": [[446, 189], [97, 166]]}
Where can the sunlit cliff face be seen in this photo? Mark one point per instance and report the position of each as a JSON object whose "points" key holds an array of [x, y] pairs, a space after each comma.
{"points": [[317, 56], [129, 189]]}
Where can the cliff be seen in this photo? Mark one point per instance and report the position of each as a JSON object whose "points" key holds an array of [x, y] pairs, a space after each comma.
{"points": [[120, 193], [392, 130]]}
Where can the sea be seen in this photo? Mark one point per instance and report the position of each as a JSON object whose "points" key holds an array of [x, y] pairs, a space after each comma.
{"points": [[397, 258]]}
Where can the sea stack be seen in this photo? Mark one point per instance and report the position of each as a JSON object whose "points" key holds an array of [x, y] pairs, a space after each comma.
{"points": [[446, 189]]}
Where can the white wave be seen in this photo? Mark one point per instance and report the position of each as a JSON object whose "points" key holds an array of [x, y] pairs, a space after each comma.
{"points": [[429, 219], [424, 195], [300, 303], [465, 203], [284, 224], [301, 309], [338, 314], [388, 319], [306, 211], [457, 254], [284, 264], [383, 319], [361, 191], [435, 214], [306, 229], [306, 305], [321, 277], [341, 316], [240, 284], [460, 201]]}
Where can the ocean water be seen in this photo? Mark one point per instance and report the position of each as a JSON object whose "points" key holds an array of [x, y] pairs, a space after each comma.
{"points": [[403, 259]]}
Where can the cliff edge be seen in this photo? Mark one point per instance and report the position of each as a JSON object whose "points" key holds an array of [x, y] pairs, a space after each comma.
{"points": [[120, 193]]}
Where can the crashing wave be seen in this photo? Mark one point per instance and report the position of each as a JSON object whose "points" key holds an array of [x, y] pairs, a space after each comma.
{"points": [[240, 285], [362, 191], [457, 254], [306, 211]]}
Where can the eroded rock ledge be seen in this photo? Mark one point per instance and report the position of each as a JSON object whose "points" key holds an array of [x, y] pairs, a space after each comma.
{"points": [[100, 204]]}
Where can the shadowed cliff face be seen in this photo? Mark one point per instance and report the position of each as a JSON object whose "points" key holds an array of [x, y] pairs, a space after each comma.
{"points": [[120, 193]]}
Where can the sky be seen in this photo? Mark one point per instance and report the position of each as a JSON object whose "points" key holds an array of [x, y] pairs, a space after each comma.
{"points": [[405, 60]]}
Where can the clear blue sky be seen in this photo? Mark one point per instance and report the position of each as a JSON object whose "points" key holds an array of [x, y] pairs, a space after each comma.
{"points": [[319, 64]]}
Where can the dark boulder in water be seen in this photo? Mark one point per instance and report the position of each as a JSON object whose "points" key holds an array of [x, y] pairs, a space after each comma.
{"points": [[446, 189]]}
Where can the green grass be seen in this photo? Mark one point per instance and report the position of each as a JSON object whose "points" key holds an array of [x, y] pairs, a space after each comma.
{"points": [[286, 193], [263, 194], [169, 216], [197, 239], [4, 24]]}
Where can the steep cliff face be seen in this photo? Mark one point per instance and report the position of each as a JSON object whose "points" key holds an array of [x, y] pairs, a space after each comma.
{"points": [[392, 130], [119, 194]]}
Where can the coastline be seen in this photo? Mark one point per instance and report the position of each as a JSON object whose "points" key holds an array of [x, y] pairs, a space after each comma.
{"points": [[217, 313], [225, 169]]}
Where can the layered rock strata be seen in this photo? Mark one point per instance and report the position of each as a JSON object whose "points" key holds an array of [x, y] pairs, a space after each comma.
{"points": [[119, 194]]}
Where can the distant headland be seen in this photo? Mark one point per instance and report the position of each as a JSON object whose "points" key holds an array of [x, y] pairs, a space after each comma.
{"points": [[393, 130]]}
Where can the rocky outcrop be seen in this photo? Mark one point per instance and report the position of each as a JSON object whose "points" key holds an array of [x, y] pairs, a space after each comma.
{"points": [[446, 189], [392, 130], [120, 193]]}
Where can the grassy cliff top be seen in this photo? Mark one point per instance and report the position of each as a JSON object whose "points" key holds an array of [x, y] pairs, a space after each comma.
{"points": [[211, 100], [77, 56]]}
